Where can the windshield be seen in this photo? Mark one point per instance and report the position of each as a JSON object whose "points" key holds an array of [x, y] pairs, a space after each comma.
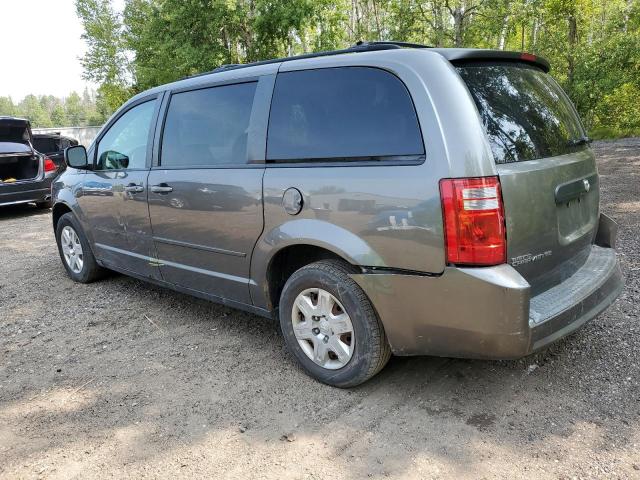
{"points": [[525, 113]]}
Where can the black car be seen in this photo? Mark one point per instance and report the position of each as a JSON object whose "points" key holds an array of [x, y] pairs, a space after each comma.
{"points": [[25, 174], [53, 145]]}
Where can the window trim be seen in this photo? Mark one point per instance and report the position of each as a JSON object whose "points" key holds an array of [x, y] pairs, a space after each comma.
{"points": [[256, 135], [357, 161], [157, 97], [367, 160]]}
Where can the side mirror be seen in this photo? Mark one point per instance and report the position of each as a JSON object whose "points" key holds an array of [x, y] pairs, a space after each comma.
{"points": [[76, 156]]}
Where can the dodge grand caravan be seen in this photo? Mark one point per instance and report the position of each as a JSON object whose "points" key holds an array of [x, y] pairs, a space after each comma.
{"points": [[387, 198]]}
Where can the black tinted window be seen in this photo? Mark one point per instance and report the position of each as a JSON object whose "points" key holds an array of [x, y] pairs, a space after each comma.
{"points": [[525, 112], [208, 127], [349, 112]]}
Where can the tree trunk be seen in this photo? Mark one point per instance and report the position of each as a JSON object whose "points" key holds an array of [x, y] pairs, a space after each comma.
{"points": [[356, 21], [458, 19], [627, 12], [573, 40], [534, 35], [438, 23], [503, 33], [376, 16]]}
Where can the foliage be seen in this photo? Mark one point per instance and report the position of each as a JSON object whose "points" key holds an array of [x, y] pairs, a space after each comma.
{"points": [[50, 111], [106, 61], [618, 114], [593, 45]]}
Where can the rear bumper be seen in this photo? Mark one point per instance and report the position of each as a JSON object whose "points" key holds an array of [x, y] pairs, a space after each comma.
{"points": [[566, 307], [25, 192], [488, 312]]}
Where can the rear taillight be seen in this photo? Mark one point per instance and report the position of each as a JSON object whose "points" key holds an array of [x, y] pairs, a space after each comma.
{"points": [[49, 166], [473, 221]]}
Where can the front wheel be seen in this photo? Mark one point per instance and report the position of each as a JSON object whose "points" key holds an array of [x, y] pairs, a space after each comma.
{"points": [[75, 252], [330, 326]]}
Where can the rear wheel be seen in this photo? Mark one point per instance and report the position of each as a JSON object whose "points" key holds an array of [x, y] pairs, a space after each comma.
{"points": [[330, 326], [76, 255]]}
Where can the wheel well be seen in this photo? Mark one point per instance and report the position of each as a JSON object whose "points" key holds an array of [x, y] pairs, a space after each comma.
{"points": [[287, 261], [59, 209]]}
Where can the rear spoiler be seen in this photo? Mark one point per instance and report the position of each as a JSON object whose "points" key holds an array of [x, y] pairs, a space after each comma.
{"points": [[472, 55]]}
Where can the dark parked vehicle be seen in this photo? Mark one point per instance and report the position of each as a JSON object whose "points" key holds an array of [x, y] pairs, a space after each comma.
{"points": [[387, 198], [53, 146], [25, 174]]}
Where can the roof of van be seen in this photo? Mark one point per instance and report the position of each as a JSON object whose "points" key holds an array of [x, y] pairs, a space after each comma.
{"points": [[454, 55]]}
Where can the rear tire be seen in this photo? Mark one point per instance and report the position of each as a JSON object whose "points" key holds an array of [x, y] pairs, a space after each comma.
{"points": [[348, 326], [75, 252]]}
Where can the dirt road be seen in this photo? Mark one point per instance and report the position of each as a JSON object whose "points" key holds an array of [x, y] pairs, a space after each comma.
{"points": [[123, 379]]}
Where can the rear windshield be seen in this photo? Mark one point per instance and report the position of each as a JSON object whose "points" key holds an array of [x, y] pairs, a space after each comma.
{"points": [[524, 111]]}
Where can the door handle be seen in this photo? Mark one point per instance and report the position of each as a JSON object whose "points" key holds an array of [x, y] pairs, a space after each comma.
{"points": [[574, 189], [133, 188], [161, 188]]}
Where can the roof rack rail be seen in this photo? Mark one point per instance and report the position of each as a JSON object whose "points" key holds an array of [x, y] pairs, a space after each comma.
{"points": [[360, 46], [391, 42], [227, 66]]}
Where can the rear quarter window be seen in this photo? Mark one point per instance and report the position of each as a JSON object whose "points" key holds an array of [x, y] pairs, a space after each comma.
{"points": [[526, 115], [346, 113]]}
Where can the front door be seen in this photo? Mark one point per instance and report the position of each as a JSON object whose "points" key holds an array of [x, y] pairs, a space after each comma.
{"points": [[205, 199], [114, 193]]}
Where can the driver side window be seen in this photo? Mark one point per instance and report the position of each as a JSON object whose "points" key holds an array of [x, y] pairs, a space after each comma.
{"points": [[124, 146]]}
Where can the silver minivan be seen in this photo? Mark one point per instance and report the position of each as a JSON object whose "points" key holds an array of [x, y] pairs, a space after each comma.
{"points": [[386, 198]]}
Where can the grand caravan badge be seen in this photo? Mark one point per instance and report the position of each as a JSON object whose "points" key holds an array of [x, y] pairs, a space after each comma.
{"points": [[529, 257]]}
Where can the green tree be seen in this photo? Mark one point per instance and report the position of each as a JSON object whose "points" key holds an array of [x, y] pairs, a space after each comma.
{"points": [[7, 106], [31, 108], [74, 110], [106, 59], [593, 45], [59, 116]]}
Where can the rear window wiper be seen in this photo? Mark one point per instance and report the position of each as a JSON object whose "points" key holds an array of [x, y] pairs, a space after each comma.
{"points": [[584, 140]]}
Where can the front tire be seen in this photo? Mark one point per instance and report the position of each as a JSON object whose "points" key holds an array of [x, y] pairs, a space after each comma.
{"points": [[75, 252], [330, 326]]}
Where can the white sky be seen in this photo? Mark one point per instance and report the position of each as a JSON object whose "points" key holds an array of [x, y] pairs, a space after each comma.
{"points": [[40, 46]]}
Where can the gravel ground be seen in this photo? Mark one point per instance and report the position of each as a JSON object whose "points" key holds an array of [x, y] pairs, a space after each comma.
{"points": [[123, 379]]}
